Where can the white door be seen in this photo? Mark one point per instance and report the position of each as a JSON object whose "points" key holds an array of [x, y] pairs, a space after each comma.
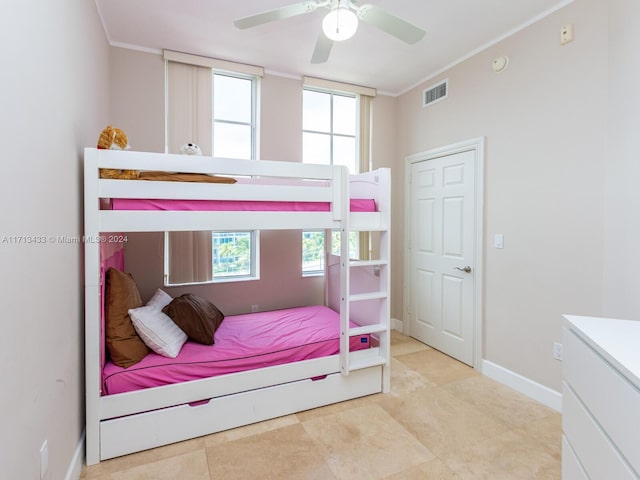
{"points": [[442, 253]]}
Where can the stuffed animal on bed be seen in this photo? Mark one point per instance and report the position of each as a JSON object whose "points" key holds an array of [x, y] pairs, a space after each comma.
{"points": [[112, 138], [190, 149]]}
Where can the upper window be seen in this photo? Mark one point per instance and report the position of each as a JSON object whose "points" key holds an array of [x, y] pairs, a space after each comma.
{"points": [[234, 116], [329, 137], [234, 136], [329, 125], [215, 256]]}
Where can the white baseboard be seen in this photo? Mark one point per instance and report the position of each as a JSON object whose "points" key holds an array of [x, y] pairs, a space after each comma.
{"points": [[397, 325], [75, 467], [526, 386]]}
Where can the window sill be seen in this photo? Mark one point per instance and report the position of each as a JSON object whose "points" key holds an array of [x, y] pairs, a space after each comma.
{"points": [[214, 281], [312, 274]]}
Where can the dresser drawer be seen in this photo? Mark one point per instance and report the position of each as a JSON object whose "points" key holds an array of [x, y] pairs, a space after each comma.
{"points": [[607, 395], [571, 468], [600, 459]]}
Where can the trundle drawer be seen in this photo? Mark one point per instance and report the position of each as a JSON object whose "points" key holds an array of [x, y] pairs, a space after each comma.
{"points": [[609, 397], [161, 427], [598, 455]]}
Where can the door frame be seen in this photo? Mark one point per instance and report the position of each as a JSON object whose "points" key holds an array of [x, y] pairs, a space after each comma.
{"points": [[476, 145]]}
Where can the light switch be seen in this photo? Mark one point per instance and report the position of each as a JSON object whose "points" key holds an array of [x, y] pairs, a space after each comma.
{"points": [[498, 240]]}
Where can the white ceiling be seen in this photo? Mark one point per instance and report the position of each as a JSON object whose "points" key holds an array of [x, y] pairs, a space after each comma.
{"points": [[455, 29]]}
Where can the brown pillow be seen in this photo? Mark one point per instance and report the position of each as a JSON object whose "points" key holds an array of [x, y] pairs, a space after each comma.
{"points": [[197, 317], [121, 293]]}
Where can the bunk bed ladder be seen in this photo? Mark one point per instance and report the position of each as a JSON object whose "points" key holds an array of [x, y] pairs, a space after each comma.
{"points": [[378, 328]]}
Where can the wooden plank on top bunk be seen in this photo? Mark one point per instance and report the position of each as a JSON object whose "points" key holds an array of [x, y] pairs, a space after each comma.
{"points": [[219, 166], [161, 221], [212, 191]]}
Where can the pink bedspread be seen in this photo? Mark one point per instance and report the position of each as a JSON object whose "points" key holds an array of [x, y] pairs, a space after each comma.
{"points": [[357, 205], [242, 342]]}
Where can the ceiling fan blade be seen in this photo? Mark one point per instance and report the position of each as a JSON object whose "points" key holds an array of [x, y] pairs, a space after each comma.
{"points": [[391, 24], [277, 14], [322, 50]]}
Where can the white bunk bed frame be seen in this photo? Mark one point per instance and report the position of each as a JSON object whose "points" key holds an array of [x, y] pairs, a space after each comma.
{"points": [[124, 423]]}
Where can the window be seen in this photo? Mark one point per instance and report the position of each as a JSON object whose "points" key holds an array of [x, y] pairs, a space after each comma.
{"points": [[312, 252], [231, 128], [232, 254], [234, 136], [234, 116], [208, 257], [329, 124], [353, 244]]}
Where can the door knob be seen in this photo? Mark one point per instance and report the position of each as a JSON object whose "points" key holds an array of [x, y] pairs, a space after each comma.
{"points": [[466, 269]]}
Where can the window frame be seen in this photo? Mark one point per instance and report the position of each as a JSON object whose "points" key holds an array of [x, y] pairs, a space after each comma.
{"points": [[316, 272], [254, 108], [332, 134], [254, 259], [254, 234]]}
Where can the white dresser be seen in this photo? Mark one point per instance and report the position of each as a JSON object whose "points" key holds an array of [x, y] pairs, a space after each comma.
{"points": [[601, 399]]}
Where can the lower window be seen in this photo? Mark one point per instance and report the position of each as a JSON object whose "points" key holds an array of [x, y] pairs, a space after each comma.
{"points": [[210, 256], [313, 252]]}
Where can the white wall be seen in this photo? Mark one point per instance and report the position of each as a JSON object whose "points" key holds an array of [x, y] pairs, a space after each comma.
{"points": [[544, 119], [622, 168], [54, 97], [384, 152], [137, 105], [280, 118]]}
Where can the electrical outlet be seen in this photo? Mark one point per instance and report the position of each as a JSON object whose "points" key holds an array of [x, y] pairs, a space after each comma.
{"points": [[254, 308], [44, 459], [557, 351]]}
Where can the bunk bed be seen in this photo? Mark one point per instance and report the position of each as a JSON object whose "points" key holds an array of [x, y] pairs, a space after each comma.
{"points": [[128, 417]]}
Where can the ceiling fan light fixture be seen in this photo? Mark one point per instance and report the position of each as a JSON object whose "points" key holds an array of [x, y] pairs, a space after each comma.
{"points": [[340, 24]]}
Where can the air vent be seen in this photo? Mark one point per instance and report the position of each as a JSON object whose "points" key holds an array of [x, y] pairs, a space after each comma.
{"points": [[436, 93]]}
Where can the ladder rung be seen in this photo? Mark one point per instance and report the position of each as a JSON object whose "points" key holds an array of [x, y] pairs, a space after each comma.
{"points": [[367, 296], [366, 329], [367, 358], [366, 263], [364, 363]]}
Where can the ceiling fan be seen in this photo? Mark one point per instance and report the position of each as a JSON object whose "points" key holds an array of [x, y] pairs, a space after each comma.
{"points": [[339, 24]]}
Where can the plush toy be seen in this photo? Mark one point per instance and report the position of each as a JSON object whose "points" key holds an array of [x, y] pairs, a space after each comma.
{"points": [[112, 138], [190, 149]]}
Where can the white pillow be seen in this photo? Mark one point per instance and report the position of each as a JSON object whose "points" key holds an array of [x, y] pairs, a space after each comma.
{"points": [[160, 299], [157, 330]]}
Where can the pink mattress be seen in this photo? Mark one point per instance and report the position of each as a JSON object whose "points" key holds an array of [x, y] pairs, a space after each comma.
{"points": [[242, 342], [357, 205]]}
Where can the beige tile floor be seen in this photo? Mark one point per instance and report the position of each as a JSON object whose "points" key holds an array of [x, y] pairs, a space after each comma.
{"points": [[441, 421]]}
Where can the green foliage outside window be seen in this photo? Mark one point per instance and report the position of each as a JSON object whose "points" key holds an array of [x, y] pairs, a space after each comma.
{"points": [[231, 254], [312, 251]]}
